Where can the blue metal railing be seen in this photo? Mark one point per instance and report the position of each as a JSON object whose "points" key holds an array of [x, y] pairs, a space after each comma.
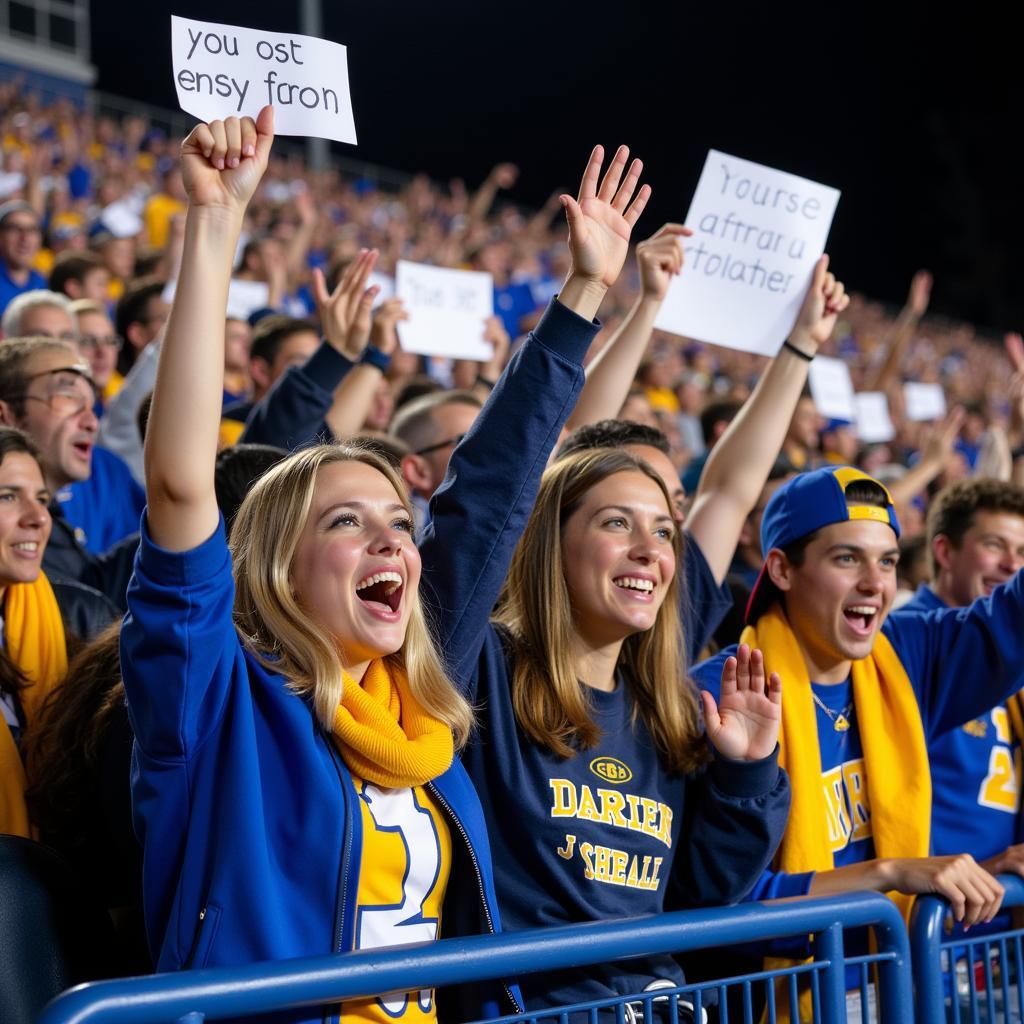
{"points": [[967, 979], [215, 993]]}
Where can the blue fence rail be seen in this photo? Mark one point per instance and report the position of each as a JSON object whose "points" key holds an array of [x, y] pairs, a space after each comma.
{"points": [[190, 997], [972, 978]]}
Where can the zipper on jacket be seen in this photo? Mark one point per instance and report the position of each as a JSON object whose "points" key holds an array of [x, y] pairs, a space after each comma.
{"points": [[479, 880], [346, 852], [195, 942]]}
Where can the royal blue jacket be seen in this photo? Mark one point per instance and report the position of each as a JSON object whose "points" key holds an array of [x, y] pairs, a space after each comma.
{"points": [[247, 813]]}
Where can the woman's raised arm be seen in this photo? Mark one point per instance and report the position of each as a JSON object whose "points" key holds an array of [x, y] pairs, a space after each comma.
{"points": [[221, 163]]}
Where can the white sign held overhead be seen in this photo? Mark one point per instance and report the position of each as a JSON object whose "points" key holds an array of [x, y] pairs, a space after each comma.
{"points": [[757, 234], [832, 388], [447, 310], [924, 401], [874, 424], [227, 71]]}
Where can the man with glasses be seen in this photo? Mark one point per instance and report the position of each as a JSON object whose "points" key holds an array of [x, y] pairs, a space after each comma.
{"points": [[20, 240], [431, 426], [99, 343], [46, 391]]}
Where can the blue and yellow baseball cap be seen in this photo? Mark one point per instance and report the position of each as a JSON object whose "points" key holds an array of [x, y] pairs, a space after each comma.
{"points": [[803, 505]]}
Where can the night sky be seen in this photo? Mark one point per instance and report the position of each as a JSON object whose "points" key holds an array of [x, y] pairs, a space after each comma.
{"points": [[916, 120]]}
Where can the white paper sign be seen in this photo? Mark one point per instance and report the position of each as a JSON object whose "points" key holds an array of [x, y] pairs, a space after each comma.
{"points": [[924, 401], [832, 388], [226, 71], [757, 235], [447, 310], [244, 297], [874, 424]]}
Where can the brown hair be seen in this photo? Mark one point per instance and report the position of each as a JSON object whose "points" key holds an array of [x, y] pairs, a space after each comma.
{"points": [[62, 746], [954, 508], [550, 702]]}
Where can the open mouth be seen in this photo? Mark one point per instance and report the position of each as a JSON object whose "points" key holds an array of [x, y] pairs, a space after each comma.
{"points": [[383, 589], [83, 449], [861, 618]]}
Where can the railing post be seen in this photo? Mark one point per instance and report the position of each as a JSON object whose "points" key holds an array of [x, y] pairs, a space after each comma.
{"points": [[828, 947], [925, 938], [895, 984]]}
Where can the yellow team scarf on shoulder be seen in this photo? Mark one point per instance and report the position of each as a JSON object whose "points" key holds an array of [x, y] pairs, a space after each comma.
{"points": [[899, 779], [383, 733], [35, 641]]}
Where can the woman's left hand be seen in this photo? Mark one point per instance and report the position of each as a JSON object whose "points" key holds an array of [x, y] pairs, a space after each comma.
{"points": [[744, 725]]}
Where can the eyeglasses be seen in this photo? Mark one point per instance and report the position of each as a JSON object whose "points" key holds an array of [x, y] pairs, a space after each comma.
{"points": [[68, 392], [451, 441], [22, 229], [100, 341]]}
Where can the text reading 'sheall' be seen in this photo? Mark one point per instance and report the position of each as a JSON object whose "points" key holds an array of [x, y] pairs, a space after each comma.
{"points": [[611, 770]]}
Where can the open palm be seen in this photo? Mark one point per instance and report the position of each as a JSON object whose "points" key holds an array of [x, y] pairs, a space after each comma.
{"points": [[601, 219], [744, 725]]}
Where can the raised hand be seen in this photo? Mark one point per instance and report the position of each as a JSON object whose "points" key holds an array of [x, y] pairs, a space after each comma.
{"points": [[495, 333], [345, 313], [222, 162], [384, 332], [744, 725], [920, 294], [825, 300], [660, 258], [601, 219], [937, 447]]}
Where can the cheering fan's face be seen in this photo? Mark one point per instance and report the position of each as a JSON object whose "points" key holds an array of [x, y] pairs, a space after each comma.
{"points": [[838, 597], [356, 569], [619, 557], [24, 520]]}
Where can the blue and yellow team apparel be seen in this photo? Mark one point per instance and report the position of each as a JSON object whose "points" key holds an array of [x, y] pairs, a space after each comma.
{"points": [[237, 791], [843, 775], [976, 773], [938, 650], [607, 833], [406, 863]]}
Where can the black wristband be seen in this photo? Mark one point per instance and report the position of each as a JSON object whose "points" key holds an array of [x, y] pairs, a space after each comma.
{"points": [[489, 384], [374, 357], [796, 351]]}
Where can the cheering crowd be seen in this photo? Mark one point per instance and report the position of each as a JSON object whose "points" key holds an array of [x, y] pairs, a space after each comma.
{"points": [[609, 624]]}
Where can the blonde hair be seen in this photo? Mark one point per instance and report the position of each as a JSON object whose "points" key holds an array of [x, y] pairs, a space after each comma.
{"points": [[275, 627], [550, 702]]}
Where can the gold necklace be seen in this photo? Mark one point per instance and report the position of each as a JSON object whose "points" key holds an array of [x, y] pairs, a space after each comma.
{"points": [[840, 719]]}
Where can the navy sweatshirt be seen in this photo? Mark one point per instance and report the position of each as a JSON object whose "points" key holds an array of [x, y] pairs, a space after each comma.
{"points": [[595, 836]]}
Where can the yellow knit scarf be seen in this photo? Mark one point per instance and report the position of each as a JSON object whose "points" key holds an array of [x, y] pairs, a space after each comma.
{"points": [[34, 636], [385, 736], [895, 756]]}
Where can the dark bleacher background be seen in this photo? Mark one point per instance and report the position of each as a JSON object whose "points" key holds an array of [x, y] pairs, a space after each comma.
{"points": [[916, 118]]}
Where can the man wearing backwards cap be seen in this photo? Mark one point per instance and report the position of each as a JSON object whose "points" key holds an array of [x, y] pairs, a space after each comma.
{"points": [[865, 692]]}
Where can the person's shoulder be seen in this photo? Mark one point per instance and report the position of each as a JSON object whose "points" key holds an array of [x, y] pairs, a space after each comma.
{"points": [[84, 610], [924, 600]]}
